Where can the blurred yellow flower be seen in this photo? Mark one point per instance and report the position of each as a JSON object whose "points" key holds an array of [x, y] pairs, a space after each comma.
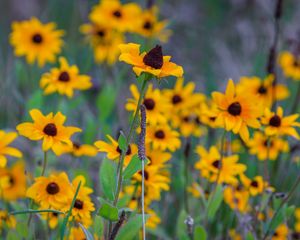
{"points": [[64, 80], [195, 190], [255, 186], [114, 14], [236, 198], [237, 111], [51, 192], [258, 146], [37, 41], [13, 182], [7, 220], [153, 219], [281, 232], [152, 62], [78, 150], [5, 140], [290, 65], [49, 128], [277, 124]]}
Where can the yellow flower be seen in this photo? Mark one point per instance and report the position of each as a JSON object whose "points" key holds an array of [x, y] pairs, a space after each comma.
{"points": [[78, 150], [237, 111], [113, 150], [195, 190], [5, 140], [156, 105], [53, 191], [290, 65], [7, 220], [255, 186], [133, 194], [150, 27], [277, 124], [36, 41], [104, 41], [236, 198], [297, 214], [258, 145], [207, 114], [153, 219], [264, 90], [13, 182], [152, 62], [281, 232], [78, 234], [112, 13], [162, 137], [213, 168], [234, 235], [83, 205], [49, 128], [52, 218], [157, 157], [64, 80]]}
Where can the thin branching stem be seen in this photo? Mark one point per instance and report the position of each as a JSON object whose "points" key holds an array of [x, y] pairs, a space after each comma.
{"points": [[44, 163]]}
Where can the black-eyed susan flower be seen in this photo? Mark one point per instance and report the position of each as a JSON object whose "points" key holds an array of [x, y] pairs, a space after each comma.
{"points": [[277, 124], [154, 220], [133, 193], [237, 111], [297, 222], [52, 218], [195, 189], [64, 80], [265, 147], [237, 198], [163, 137], [76, 233], [114, 14], [49, 128], [156, 105], [152, 62], [149, 25], [104, 41], [234, 235], [207, 114], [83, 206], [290, 65], [7, 220], [51, 192], [113, 150], [281, 232], [264, 89], [37, 41], [5, 140], [255, 186], [213, 168], [13, 182], [78, 150], [156, 157]]}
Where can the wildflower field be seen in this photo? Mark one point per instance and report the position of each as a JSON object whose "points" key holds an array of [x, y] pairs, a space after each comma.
{"points": [[146, 119]]}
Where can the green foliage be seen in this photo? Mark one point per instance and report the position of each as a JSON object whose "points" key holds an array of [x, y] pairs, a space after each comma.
{"points": [[108, 211], [214, 202], [200, 233], [87, 234], [134, 166], [107, 179]]}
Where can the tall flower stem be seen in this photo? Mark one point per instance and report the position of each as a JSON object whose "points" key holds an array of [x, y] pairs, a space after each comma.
{"points": [[186, 174], [266, 163], [293, 189], [44, 163], [128, 140], [296, 101]]}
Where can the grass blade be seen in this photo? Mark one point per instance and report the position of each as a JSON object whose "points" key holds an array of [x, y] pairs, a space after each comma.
{"points": [[35, 211]]}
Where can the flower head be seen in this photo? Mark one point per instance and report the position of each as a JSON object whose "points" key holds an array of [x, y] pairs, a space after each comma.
{"points": [[152, 62], [35, 40], [237, 111], [276, 124], [290, 65], [49, 128], [5, 140], [64, 80]]}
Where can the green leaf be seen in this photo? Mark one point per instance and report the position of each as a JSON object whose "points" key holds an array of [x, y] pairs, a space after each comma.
{"points": [[134, 166], [12, 235], [290, 211], [214, 202], [131, 229], [200, 233], [22, 229], [122, 142], [278, 219], [98, 225], [87, 234], [35, 211], [109, 212], [249, 236], [106, 101], [64, 224], [36, 100], [181, 229], [107, 179]]}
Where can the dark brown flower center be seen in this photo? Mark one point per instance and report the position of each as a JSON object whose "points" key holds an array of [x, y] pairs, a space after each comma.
{"points": [[78, 204], [101, 33], [296, 63], [154, 58], [176, 99], [217, 164], [55, 214], [160, 134], [64, 77], [149, 103], [128, 152], [37, 38], [117, 14], [11, 180], [52, 188], [50, 129], [254, 184], [266, 143], [212, 119], [146, 174], [262, 90], [76, 145], [235, 109], [275, 121], [187, 119], [296, 235], [147, 25]]}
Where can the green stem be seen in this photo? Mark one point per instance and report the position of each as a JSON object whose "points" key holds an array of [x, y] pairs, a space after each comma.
{"points": [[266, 163], [44, 163], [281, 205], [296, 101]]}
